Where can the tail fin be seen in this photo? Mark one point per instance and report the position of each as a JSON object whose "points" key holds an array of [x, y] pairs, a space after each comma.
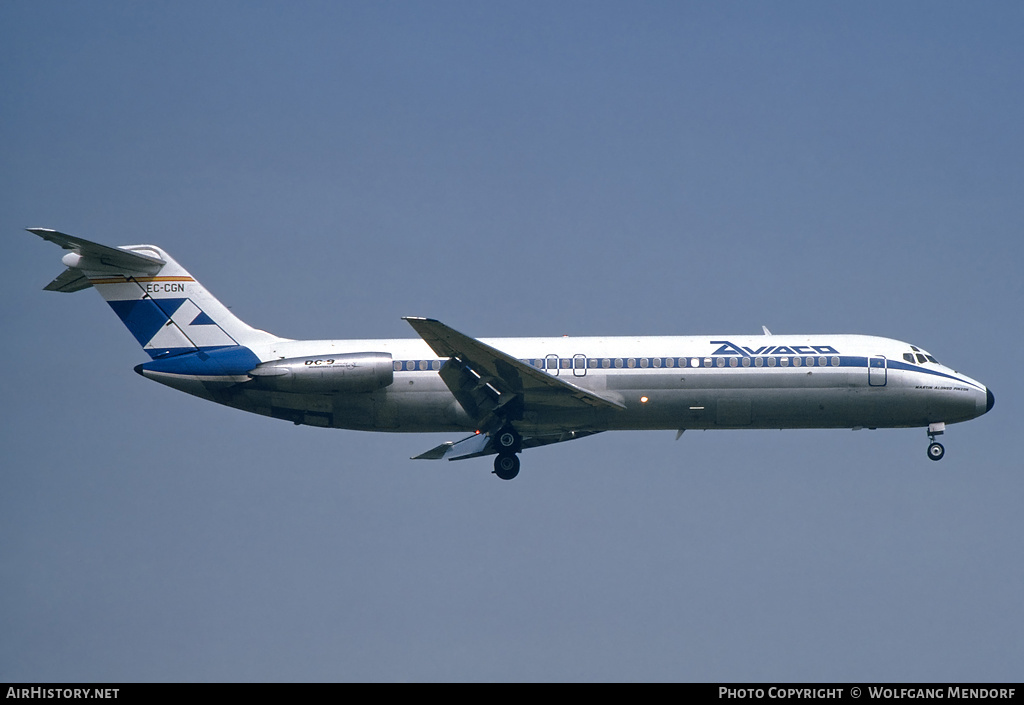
{"points": [[167, 311]]}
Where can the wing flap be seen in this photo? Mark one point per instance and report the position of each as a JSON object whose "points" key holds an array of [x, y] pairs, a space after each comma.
{"points": [[470, 447], [479, 445], [435, 453]]}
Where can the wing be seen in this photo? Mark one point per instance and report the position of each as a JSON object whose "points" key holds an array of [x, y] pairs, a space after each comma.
{"points": [[492, 385]]}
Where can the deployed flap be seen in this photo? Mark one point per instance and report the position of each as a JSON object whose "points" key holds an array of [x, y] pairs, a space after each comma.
{"points": [[435, 453], [501, 371], [480, 444], [470, 447]]}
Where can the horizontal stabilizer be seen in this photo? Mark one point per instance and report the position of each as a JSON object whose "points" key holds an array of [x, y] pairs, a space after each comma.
{"points": [[112, 257], [68, 282]]}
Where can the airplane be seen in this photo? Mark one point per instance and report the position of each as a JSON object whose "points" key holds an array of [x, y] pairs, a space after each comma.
{"points": [[512, 394]]}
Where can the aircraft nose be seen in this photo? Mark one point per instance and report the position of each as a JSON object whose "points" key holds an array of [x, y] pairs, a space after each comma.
{"points": [[991, 400]]}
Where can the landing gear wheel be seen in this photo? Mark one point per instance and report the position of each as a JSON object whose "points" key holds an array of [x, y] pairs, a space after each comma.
{"points": [[506, 466], [936, 451], [507, 440]]}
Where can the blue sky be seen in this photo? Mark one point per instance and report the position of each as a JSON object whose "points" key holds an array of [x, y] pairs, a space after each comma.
{"points": [[512, 169]]}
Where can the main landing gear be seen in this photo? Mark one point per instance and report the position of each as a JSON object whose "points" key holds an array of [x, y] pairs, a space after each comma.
{"points": [[507, 442], [935, 449], [506, 466]]}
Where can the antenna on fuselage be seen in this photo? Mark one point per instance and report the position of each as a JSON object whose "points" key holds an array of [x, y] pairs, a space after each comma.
{"points": [[766, 331]]}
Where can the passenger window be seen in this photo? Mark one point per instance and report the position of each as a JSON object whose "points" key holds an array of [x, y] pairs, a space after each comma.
{"points": [[796, 362], [759, 362], [835, 361], [721, 362], [822, 362], [746, 362], [618, 362], [771, 362]]}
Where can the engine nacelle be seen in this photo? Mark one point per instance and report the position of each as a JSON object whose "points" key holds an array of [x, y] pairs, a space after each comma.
{"points": [[350, 372]]}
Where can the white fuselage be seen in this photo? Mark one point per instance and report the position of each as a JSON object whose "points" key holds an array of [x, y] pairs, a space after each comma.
{"points": [[678, 382]]}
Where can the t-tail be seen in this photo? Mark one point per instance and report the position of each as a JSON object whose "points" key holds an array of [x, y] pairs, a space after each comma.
{"points": [[171, 314]]}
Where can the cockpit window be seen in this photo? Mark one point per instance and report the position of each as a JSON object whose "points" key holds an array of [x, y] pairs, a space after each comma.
{"points": [[922, 356]]}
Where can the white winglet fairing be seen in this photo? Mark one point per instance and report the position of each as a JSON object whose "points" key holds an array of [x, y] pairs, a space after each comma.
{"points": [[512, 394]]}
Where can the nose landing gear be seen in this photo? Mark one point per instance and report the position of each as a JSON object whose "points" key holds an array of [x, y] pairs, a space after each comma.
{"points": [[935, 449]]}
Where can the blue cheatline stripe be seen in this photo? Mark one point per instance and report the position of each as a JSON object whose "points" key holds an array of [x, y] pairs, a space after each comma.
{"points": [[651, 363], [232, 360], [682, 363], [896, 365]]}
